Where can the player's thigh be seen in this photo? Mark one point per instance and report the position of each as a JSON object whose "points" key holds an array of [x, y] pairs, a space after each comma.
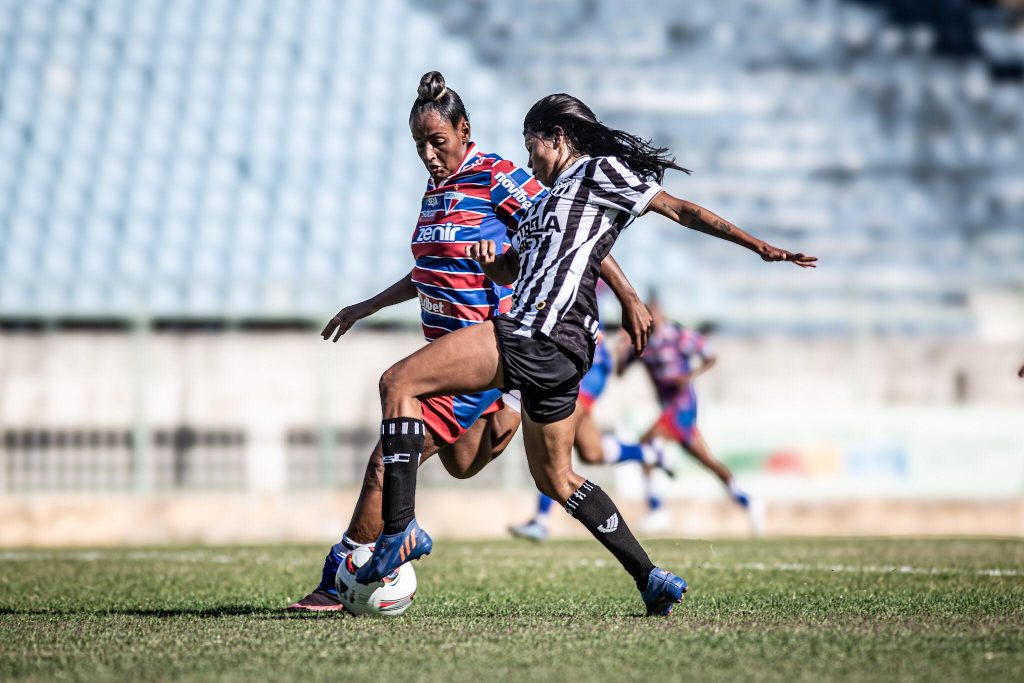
{"points": [[471, 452], [659, 430], [588, 437], [461, 362]]}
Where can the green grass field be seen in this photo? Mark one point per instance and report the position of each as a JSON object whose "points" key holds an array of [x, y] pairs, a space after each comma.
{"points": [[903, 609]]}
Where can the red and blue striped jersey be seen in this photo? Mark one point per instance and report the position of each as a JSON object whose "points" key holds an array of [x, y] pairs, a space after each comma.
{"points": [[670, 354], [484, 199]]}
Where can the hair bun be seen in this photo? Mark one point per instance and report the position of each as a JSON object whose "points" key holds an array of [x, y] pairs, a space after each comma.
{"points": [[432, 87]]}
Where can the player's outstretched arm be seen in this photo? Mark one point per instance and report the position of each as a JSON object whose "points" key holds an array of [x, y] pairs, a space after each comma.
{"points": [[401, 291], [502, 269], [700, 219], [636, 318]]}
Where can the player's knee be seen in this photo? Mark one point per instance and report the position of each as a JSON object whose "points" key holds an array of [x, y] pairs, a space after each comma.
{"points": [[591, 456], [390, 384]]}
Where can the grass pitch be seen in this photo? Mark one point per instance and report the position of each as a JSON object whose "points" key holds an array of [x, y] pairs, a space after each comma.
{"points": [[784, 610]]}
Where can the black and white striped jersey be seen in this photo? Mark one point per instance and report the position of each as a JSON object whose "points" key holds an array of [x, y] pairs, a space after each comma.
{"points": [[561, 242]]}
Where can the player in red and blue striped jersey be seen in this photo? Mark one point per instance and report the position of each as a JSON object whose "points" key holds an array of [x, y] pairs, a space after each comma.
{"points": [[470, 196], [675, 357]]}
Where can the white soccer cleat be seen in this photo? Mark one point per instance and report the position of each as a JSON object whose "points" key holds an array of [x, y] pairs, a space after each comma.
{"points": [[530, 531]]}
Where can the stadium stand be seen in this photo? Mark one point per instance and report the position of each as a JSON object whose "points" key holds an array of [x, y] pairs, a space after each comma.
{"points": [[227, 159]]}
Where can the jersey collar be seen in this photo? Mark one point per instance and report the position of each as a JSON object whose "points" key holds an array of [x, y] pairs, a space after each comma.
{"points": [[571, 171], [467, 160]]}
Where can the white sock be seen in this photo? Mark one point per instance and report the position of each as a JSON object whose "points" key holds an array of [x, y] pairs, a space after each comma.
{"points": [[651, 455], [611, 448]]}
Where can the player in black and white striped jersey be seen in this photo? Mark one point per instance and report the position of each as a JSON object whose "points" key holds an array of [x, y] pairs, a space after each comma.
{"points": [[600, 178], [561, 242]]}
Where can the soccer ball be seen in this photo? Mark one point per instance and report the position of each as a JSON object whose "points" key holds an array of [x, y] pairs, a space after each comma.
{"points": [[387, 598]]}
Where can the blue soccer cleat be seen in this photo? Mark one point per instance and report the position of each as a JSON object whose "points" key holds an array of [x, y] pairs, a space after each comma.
{"points": [[391, 551], [664, 589]]}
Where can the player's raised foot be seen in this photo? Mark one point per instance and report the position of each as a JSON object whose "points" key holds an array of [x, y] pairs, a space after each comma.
{"points": [[531, 531], [318, 601], [664, 590], [391, 551]]}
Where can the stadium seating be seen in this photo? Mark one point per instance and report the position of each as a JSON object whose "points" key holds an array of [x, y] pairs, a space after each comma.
{"points": [[249, 158]]}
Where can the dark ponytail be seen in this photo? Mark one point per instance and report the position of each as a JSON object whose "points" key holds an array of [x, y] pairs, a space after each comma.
{"points": [[587, 135], [433, 95]]}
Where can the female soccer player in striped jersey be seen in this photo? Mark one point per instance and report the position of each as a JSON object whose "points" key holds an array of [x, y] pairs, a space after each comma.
{"points": [[599, 179], [470, 196]]}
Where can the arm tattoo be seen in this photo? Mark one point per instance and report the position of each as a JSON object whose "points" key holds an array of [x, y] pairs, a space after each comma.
{"points": [[700, 222]]}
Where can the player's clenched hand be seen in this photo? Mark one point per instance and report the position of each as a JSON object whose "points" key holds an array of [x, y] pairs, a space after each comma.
{"points": [[344, 320], [638, 323], [483, 252], [770, 253]]}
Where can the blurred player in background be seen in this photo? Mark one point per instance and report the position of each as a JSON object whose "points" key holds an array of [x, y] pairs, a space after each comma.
{"points": [[470, 196], [674, 358], [593, 448]]}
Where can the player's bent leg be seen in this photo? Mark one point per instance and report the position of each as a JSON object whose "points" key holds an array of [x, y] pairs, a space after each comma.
{"points": [[463, 362], [504, 425], [471, 452], [588, 437], [695, 445], [550, 459]]}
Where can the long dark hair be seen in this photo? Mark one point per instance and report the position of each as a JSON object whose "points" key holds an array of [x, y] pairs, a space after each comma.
{"points": [[587, 135], [433, 94]]}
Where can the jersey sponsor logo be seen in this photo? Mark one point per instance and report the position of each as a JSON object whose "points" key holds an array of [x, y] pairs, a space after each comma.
{"points": [[518, 193], [436, 306], [452, 199], [610, 524], [396, 458], [432, 202], [437, 233]]}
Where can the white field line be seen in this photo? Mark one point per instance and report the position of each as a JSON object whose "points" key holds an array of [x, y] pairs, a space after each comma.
{"points": [[201, 556], [829, 568]]}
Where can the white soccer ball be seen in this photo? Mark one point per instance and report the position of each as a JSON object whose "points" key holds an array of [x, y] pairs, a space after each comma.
{"points": [[387, 598]]}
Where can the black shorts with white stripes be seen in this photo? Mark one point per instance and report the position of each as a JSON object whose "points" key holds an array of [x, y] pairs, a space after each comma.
{"points": [[547, 375]]}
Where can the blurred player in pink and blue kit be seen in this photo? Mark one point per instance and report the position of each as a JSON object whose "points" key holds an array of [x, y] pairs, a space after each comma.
{"points": [[593, 448], [674, 357]]}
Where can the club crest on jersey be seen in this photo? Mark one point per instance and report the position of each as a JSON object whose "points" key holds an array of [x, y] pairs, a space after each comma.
{"points": [[452, 199], [438, 233]]}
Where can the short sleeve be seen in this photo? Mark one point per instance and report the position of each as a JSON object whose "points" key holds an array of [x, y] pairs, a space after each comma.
{"points": [[699, 346], [614, 186], [513, 190]]}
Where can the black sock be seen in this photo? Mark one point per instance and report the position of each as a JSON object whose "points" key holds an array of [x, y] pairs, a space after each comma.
{"points": [[402, 442], [592, 506]]}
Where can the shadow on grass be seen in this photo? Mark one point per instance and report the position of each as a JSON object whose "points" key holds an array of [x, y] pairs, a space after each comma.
{"points": [[196, 612]]}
